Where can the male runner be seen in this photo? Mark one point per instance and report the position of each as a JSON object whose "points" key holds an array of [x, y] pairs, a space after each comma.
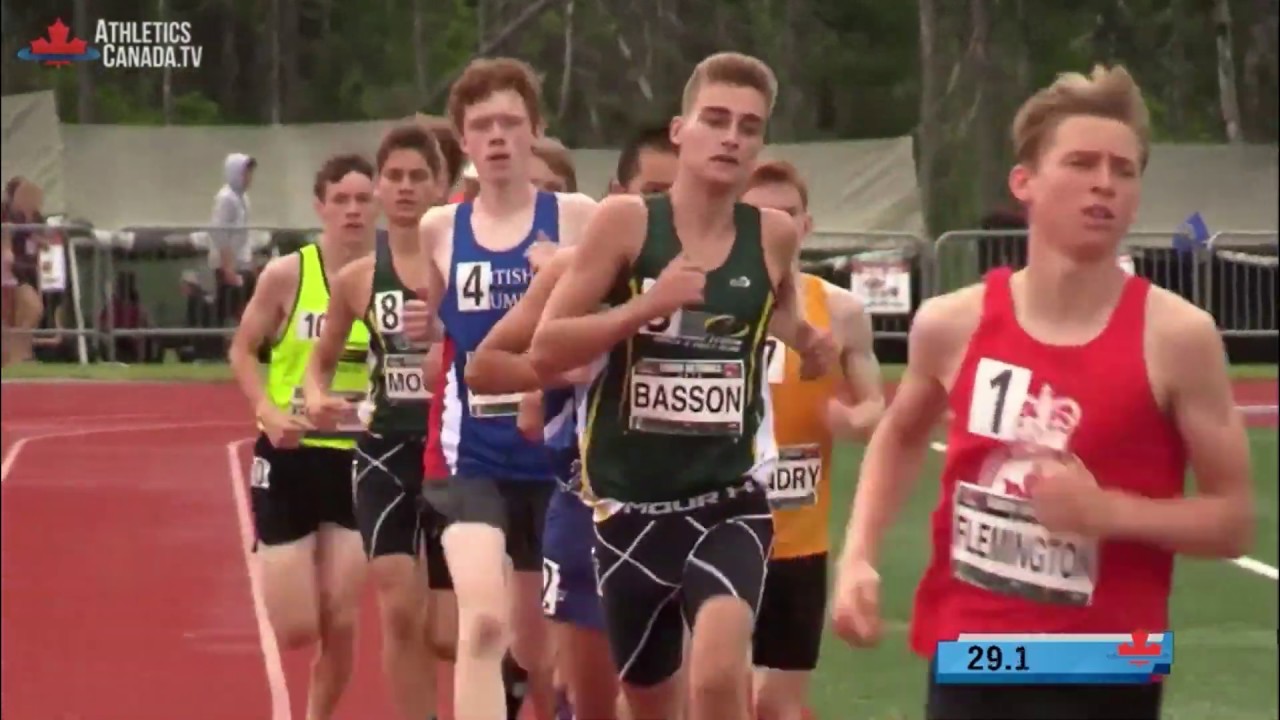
{"points": [[497, 483], [388, 459], [808, 415], [307, 545], [1079, 394], [676, 443], [570, 597], [551, 167]]}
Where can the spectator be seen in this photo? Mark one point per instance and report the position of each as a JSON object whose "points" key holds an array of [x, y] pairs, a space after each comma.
{"points": [[230, 256], [126, 313], [201, 314], [24, 306]]}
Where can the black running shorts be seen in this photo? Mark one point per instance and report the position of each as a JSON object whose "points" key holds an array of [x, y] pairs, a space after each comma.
{"points": [[388, 481], [657, 563], [294, 491], [516, 507], [790, 621]]}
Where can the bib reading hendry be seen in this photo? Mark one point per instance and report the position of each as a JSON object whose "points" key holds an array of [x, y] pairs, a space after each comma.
{"points": [[678, 409], [292, 351], [473, 435], [398, 391]]}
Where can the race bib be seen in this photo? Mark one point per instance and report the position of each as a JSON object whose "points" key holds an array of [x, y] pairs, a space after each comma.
{"points": [[488, 406], [998, 545], [353, 423], [775, 359], [688, 397], [795, 478], [404, 378], [550, 587]]}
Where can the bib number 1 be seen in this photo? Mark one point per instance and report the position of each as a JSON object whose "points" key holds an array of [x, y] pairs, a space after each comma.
{"points": [[999, 391]]}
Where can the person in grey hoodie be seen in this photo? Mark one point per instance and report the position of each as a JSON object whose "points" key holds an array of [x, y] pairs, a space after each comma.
{"points": [[231, 257]]}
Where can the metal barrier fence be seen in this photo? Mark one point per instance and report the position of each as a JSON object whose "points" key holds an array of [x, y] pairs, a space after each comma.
{"points": [[147, 293]]}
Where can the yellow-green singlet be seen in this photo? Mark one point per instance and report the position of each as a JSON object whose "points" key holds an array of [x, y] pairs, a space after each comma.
{"points": [[292, 351]]}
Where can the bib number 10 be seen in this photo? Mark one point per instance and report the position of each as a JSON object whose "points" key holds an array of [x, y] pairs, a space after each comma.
{"points": [[310, 325], [999, 391]]}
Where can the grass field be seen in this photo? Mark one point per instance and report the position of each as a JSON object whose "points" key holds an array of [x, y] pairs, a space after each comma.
{"points": [[1224, 617]]}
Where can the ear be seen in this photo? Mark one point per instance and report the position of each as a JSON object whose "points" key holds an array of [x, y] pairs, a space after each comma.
{"points": [[806, 225], [319, 207], [675, 130], [1020, 180]]}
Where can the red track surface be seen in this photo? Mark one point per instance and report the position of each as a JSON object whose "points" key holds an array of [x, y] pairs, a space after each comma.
{"points": [[125, 590]]}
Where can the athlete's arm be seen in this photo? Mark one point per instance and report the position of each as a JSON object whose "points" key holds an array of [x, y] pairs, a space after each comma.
{"points": [[858, 366], [576, 210], [572, 333], [260, 321], [348, 299], [500, 364], [782, 253], [898, 446], [1217, 521], [433, 244]]}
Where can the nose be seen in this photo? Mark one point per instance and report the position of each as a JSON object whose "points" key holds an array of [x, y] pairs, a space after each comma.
{"points": [[1104, 182]]}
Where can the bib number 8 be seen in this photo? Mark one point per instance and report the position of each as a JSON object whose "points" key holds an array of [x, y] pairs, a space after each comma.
{"points": [[660, 326], [388, 308]]}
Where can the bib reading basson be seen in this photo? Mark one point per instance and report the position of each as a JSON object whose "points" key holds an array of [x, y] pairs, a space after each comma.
{"points": [[688, 397], [795, 478]]}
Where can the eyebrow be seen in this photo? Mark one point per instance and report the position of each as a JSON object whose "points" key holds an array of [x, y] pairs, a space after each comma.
{"points": [[720, 110]]}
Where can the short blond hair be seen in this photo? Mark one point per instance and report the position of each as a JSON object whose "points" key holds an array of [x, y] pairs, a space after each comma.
{"points": [[731, 68], [1109, 93]]}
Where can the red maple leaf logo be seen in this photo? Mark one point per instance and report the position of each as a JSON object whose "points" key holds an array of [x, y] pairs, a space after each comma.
{"points": [[1139, 648], [58, 44]]}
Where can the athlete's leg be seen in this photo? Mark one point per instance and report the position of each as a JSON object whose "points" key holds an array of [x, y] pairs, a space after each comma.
{"points": [[341, 567], [441, 627], [388, 478], [285, 522], [571, 601], [724, 579], [531, 641], [28, 308], [788, 635], [475, 548], [640, 561]]}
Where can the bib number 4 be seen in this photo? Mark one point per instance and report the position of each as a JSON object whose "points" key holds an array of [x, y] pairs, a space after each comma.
{"points": [[472, 279]]}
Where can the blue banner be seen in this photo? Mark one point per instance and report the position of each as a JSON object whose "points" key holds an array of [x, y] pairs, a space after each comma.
{"points": [[1133, 659]]}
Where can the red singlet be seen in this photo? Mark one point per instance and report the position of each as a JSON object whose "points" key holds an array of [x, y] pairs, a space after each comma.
{"points": [[993, 568]]}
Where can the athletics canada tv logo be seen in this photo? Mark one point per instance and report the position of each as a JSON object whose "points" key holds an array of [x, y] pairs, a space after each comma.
{"points": [[59, 49]]}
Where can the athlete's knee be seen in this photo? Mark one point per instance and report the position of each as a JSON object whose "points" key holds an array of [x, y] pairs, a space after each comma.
{"points": [[297, 633], [402, 603], [484, 633], [719, 661], [779, 697]]}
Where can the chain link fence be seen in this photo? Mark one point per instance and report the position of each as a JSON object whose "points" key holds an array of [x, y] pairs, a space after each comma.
{"points": [[157, 293]]}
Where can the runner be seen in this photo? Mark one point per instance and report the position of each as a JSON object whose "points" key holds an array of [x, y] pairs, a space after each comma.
{"points": [[1079, 394], [808, 415], [570, 598], [676, 444], [495, 484], [388, 460], [307, 546], [551, 167]]}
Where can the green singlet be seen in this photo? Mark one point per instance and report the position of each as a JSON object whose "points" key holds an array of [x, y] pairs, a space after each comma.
{"points": [[398, 392], [679, 409], [292, 351]]}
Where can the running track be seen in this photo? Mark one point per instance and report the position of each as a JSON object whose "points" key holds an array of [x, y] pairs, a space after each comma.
{"points": [[123, 573]]}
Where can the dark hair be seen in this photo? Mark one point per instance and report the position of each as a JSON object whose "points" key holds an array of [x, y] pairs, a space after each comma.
{"points": [[338, 167], [450, 149], [654, 137], [411, 137], [1004, 219]]}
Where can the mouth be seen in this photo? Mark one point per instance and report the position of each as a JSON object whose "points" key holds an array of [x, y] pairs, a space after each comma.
{"points": [[404, 203], [353, 226], [1099, 213], [726, 160], [499, 157]]}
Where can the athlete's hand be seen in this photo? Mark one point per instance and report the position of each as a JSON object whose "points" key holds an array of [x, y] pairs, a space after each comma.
{"points": [[327, 411], [850, 422], [818, 352], [283, 430], [529, 418], [540, 253], [420, 324], [855, 610], [1066, 496], [680, 284]]}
